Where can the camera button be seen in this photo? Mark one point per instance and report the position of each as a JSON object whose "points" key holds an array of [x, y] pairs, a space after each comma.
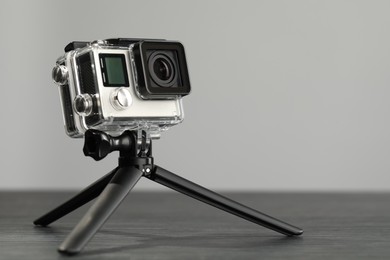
{"points": [[60, 75], [83, 104], [121, 98]]}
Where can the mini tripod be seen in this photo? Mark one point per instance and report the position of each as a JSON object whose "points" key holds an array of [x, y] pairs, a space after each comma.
{"points": [[135, 161]]}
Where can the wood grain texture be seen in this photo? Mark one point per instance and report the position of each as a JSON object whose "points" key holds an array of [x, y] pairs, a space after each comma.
{"points": [[158, 225]]}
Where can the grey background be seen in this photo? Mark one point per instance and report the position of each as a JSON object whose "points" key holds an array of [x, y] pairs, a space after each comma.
{"points": [[287, 95]]}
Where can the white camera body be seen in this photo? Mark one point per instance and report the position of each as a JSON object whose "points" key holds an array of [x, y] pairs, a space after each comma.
{"points": [[122, 84]]}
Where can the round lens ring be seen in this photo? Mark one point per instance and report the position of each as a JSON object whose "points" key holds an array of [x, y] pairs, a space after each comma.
{"points": [[161, 69]]}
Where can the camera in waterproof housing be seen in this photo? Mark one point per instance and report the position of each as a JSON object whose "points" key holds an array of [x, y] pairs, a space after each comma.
{"points": [[122, 84]]}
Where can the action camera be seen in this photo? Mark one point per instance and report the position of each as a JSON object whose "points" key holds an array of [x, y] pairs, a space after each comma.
{"points": [[122, 84]]}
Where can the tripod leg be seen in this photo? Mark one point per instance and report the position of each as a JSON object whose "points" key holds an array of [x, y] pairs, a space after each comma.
{"points": [[182, 185], [86, 195], [123, 181]]}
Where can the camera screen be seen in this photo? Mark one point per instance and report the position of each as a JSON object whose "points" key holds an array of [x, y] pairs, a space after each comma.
{"points": [[114, 70]]}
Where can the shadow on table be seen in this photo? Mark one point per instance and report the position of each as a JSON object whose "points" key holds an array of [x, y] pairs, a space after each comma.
{"points": [[209, 240]]}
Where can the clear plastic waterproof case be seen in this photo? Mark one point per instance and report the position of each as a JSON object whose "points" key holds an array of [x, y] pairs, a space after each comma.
{"points": [[101, 92]]}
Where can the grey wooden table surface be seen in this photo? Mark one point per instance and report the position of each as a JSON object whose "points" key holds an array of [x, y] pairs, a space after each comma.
{"points": [[167, 225]]}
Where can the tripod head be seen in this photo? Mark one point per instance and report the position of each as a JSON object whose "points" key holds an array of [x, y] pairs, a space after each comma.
{"points": [[98, 144]]}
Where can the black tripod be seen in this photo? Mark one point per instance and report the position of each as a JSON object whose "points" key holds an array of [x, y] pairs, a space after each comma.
{"points": [[135, 161]]}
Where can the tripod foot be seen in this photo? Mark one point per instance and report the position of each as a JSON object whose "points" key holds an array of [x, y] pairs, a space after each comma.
{"points": [[121, 184], [191, 189]]}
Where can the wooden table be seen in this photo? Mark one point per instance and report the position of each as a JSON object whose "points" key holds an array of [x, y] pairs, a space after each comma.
{"points": [[167, 225]]}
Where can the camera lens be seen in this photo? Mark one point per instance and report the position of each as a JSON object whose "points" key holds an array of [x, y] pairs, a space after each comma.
{"points": [[161, 69]]}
